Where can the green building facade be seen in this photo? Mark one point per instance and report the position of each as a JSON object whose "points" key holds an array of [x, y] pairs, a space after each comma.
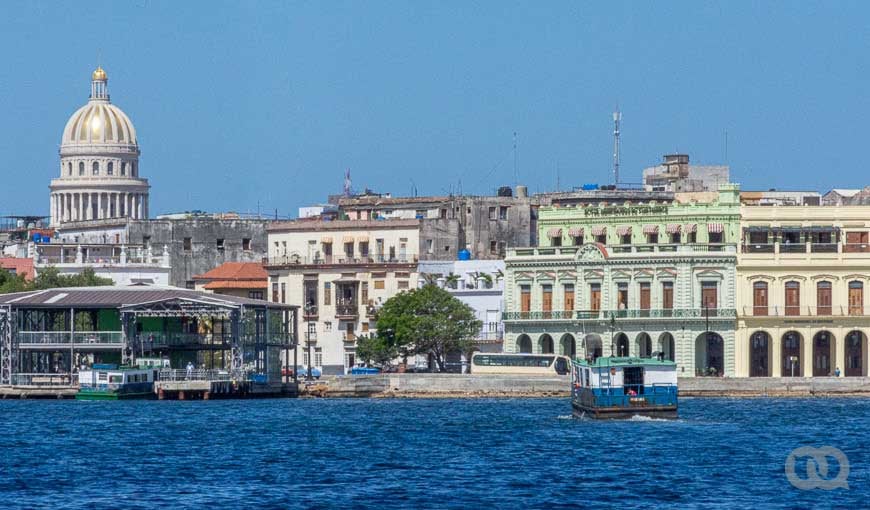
{"points": [[633, 279]]}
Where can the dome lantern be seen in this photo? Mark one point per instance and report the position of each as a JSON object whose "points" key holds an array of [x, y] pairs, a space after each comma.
{"points": [[99, 85]]}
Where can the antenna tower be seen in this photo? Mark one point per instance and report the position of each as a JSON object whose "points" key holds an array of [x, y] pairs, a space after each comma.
{"points": [[617, 116]]}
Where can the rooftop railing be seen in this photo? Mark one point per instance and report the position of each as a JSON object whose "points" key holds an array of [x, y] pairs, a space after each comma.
{"points": [[64, 337], [678, 313], [290, 260]]}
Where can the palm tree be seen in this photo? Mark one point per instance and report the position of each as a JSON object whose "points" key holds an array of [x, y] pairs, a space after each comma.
{"points": [[499, 274], [429, 278], [452, 280]]}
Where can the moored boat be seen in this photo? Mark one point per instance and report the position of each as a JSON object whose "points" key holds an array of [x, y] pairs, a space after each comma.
{"points": [[110, 382], [622, 387]]}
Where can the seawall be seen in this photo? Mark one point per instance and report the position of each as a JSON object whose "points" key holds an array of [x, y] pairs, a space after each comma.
{"points": [[471, 386]]}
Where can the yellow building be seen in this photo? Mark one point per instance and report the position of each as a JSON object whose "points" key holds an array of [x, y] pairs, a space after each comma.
{"points": [[801, 304], [339, 272]]}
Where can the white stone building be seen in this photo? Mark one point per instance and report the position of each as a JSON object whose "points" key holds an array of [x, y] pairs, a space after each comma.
{"points": [[99, 164]]}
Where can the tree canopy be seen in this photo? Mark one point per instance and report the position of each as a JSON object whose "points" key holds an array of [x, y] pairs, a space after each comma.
{"points": [[427, 320], [49, 278]]}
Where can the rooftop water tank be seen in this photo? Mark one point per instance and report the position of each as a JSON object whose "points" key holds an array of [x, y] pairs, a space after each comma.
{"points": [[37, 237], [464, 254]]}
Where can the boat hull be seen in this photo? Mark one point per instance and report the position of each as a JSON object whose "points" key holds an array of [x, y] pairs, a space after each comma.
{"points": [[113, 395], [668, 412]]}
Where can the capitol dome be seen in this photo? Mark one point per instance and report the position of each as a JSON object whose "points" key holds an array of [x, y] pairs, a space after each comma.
{"points": [[99, 121], [99, 163]]}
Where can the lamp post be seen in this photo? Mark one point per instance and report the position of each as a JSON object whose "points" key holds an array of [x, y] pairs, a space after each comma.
{"points": [[612, 327], [310, 334]]}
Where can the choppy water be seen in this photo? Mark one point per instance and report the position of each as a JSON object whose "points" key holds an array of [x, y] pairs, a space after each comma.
{"points": [[419, 454]]}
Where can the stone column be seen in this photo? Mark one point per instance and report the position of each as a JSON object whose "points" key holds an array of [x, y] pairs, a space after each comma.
{"points": [[776, 353], [51, 208], [100, 213], [60, 204], [140, 206]]}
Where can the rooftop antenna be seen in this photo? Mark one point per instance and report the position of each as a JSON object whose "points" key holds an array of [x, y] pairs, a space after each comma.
{"points": [[617, 116], [516, 174]]}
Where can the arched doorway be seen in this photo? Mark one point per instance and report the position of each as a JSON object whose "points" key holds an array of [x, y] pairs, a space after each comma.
{"points": [[524, 344], [823, 353], [855, 344], [759, 354], [546, 344], [594, 348], [667, 347], [792, 354], [567, 345], [621, 344], [709, 354], [644, 345]]}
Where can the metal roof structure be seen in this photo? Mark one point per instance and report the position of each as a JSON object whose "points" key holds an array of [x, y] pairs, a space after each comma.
{"points": [[119, 296]]}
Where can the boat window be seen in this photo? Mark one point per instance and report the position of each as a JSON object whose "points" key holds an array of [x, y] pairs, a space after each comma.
{"points": [[102, 376], [115, 378]]}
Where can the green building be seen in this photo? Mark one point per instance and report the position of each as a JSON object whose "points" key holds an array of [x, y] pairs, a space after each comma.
{"points": [[633, 279]]}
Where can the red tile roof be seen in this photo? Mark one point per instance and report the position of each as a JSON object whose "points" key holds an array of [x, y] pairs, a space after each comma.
{"points": [[236, 271], [236, 284], [20, 265]]}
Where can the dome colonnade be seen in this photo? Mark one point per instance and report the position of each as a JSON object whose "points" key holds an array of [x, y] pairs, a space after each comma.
{"points": [[99, 164]]}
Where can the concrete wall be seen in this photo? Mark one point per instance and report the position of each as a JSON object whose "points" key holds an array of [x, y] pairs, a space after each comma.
{"points": [[449, 385], [203, 233]]}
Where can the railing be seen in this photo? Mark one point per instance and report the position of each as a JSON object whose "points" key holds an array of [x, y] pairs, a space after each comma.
{"points": [[349, 337], [174, 374], [175, 339], [63, 337], [856, 247], [347, 310], [823, 247], [792, 247], [628, 248], [491, 333], [759, 248], [284, 260], [803, 311], [680, 313], [36, 379]]}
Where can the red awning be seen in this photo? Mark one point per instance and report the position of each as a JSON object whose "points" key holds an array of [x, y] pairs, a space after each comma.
{"points": [[575, 232], [715, 228], [650, 229], [674, 228], [599, 231], [624, 230], [554, 232], [691, 228]]}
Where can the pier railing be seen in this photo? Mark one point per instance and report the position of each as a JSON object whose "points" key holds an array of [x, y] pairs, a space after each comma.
{"points": [[175, 374], [64, 337], [44, 380]]}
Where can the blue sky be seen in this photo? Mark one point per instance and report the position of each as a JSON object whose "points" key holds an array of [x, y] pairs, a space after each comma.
{"points": [[269, 102]]}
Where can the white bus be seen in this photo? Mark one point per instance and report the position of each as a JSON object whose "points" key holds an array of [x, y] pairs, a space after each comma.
{"points": [[520, 364]]}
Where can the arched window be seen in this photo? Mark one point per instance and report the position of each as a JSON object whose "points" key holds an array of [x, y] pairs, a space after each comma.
{"points": [[110, 169], [81, 168], [123, 168], [96, 167]]}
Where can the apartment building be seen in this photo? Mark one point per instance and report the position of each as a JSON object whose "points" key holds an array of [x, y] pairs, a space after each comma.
{"points": [[339, 273]]}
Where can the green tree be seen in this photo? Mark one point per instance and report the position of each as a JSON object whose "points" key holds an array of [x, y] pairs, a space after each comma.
{"points": [[375, 350], [427, 320], [50, 278]]}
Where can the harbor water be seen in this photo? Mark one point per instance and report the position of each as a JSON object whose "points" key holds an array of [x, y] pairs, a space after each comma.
{"points": [[439, 453]]}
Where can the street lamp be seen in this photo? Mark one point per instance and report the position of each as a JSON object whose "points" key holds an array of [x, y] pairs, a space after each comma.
{"points": [[612, 327], [310, 335]]}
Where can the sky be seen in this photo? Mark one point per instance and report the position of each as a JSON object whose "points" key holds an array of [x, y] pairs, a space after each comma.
{"points": [[262, 106]]}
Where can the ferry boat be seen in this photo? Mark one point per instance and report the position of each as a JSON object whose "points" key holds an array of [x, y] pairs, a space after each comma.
{"points": [[622, 387], [110, 382]]}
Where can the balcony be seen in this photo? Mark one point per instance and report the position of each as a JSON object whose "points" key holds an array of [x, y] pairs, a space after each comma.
{"points": [[46, 338], [645, 249], [803, 311], [331, 260], [349, 338], [347, 310], [759, 248], [675, 313], [856, 248], [309, 313]]}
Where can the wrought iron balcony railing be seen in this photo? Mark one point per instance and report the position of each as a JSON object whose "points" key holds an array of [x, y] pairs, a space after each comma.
{"points": [[803, 311], [678, 313]]}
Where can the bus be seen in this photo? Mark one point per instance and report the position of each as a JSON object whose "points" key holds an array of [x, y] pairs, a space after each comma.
{"points": [[519, 364]]}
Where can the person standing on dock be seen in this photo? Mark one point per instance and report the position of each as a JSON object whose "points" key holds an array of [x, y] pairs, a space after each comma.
{"points": [[189, 370]]}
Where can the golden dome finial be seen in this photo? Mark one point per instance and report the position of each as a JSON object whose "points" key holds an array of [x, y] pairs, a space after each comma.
{"points": [[99, 74]]}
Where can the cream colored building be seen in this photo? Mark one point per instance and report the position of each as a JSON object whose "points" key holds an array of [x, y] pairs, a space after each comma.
{"points": [[339, 273], [802, 306]]}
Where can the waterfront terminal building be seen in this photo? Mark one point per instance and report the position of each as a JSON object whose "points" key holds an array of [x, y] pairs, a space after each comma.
{"points": [[633, 279]]}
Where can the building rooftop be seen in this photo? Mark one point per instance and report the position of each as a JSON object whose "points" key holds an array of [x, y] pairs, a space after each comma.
{"points": [[235, 271], [318, 225], [117, 296]]}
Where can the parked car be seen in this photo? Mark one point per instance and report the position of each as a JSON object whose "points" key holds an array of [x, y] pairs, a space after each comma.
{"points": [[303, 372], [364, 371]]}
